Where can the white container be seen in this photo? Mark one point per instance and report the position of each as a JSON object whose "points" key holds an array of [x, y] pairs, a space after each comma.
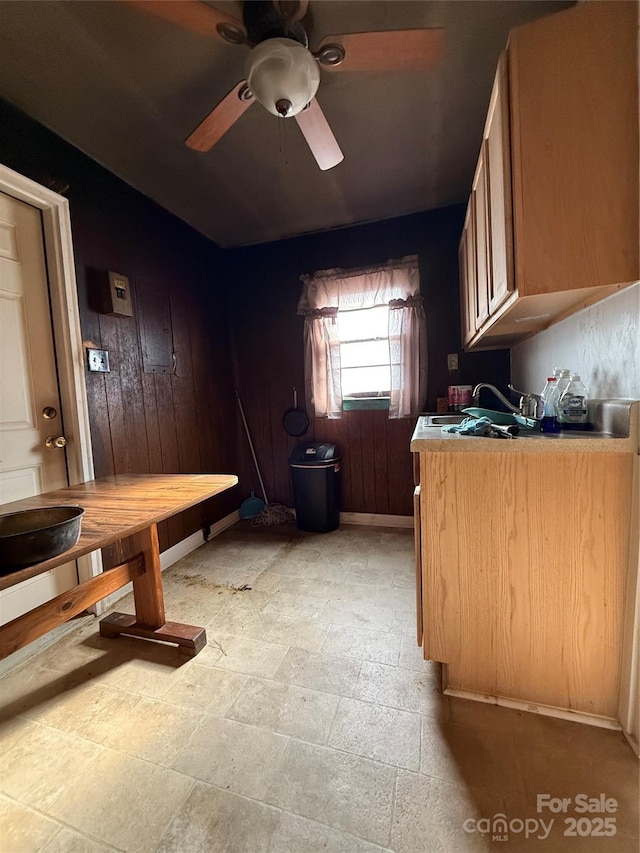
{"points": [[572, 404]]}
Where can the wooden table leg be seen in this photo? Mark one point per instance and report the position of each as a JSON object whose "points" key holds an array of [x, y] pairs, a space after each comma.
{"points": [[147, 589], [149, 621]]}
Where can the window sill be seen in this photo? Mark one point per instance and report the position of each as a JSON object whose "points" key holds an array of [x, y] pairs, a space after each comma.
{"points": [[351, 404]]}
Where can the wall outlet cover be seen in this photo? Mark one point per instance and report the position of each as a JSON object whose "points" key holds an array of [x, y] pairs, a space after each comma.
{"points": [[98, 360], [452, 361]]}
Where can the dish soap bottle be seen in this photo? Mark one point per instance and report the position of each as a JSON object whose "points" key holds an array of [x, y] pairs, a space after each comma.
{"points": [[572, 405], [549, 422]]}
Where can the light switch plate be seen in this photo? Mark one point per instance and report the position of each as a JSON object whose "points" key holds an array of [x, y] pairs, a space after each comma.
{"points": [[98, 360], [452, 361]]}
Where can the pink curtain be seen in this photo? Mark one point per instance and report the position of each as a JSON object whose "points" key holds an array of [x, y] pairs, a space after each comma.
{"points": [[408, 351], [322, 363], [396, 284]]}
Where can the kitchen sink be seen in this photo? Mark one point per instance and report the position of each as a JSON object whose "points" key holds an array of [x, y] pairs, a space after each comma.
{"points": [[503, 418], [442, 420]]}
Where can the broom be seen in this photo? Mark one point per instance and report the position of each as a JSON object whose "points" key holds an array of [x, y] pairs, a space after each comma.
{"points": [[271, 513]]}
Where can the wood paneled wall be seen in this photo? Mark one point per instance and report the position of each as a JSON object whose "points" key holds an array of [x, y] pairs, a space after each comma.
{"points": [[188, 421], [376, 466], [265, 287], [143, 422]]}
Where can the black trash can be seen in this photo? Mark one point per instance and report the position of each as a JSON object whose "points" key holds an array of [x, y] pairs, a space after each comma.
{"points": [[315, 472]]}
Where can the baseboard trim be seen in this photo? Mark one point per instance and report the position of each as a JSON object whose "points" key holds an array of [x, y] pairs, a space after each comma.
{"points": [[186, 546], [536, 708], [224, 524], [181, 549], [377, 520], [633, 742]]}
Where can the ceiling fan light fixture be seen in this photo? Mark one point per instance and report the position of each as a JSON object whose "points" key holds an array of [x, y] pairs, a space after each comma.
{"points": [[282, 70]]}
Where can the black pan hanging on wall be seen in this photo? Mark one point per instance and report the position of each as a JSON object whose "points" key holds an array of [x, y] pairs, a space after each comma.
{"points": [[296, 420]]}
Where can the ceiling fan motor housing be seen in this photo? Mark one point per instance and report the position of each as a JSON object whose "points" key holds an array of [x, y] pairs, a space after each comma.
{"points": [[265, 19], [283, 76]]}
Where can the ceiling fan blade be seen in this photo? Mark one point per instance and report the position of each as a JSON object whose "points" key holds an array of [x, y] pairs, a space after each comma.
{"points": [[387, 50], [220, 119], [319, 136], [198, 17]]}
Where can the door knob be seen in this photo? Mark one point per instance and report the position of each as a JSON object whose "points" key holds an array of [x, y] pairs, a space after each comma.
{"points": [[55, 441]]}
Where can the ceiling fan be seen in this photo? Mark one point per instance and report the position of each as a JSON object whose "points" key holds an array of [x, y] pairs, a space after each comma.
{"points": [[282, 73]]}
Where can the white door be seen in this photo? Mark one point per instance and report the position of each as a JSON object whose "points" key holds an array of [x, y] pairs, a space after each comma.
{"points": [[29, 397]]}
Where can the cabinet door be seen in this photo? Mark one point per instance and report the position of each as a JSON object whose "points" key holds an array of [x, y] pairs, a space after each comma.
{"points": [[518, 607], [418, 556], [574, 124], [498, 167], [483, 262], [467, 269]]}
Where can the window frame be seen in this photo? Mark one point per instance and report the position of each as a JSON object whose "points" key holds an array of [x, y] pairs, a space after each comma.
{"points": [[369, 398]]}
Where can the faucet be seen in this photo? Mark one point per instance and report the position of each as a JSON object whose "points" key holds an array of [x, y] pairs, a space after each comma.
{"points": [[531, 405]]}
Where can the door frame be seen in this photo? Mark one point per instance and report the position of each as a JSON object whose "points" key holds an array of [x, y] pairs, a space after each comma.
{"points": [[69, 347]]}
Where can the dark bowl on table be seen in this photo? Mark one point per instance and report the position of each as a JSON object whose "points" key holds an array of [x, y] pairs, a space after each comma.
{"points": [[35, 535]]}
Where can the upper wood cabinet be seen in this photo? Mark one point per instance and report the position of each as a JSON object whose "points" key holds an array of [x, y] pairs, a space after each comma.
{"points": [[560, 164], [479, 197], [496, 150], [474, 254], [467, 267]]}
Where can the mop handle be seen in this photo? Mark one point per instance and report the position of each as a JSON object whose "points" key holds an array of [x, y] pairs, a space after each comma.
{"points": [[253, 453]]}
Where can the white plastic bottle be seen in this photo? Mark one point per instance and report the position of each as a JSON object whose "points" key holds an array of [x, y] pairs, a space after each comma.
{"points": [[572, 405]]}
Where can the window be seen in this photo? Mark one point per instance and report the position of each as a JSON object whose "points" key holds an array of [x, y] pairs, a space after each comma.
{"points": [[365, 336], [365, 368]]}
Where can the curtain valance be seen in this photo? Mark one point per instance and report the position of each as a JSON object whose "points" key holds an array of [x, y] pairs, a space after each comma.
{"points": [[365, 287]]}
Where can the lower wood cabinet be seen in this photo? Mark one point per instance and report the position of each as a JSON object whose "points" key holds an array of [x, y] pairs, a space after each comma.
{"points": [[417, 534], [523, 568]]}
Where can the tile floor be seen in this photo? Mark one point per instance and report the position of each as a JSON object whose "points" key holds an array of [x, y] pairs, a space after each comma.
{"points": [[309, 723]]}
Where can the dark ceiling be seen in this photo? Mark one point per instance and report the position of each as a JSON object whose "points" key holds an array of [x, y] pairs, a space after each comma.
{"points": [[127, 88]]}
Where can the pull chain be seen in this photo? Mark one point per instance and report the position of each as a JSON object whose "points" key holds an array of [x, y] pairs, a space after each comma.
{"points": [[282, 138]]}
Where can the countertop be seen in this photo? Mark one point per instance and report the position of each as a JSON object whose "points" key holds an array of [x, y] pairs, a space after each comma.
{"points": [[117, 507], [624, 415]]}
